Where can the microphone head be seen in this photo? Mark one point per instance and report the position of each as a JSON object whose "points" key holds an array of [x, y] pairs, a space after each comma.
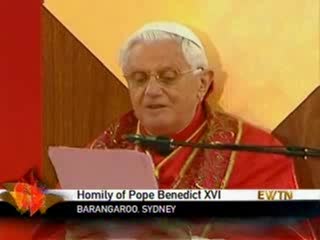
{"points": [[160, 144], [134, 138]]}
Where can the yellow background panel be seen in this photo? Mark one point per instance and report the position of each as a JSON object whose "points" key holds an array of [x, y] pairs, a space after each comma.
{"points": [[266, 52]]}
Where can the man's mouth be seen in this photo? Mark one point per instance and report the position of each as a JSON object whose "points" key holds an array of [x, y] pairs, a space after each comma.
{"points": [[155, 106]]}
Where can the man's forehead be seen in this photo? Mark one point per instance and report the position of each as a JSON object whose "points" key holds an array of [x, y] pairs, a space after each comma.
{"points": [[162, 53]]}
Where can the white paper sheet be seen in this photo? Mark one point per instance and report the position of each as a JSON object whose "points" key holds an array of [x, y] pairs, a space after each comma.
{"points": [[79, 168]]}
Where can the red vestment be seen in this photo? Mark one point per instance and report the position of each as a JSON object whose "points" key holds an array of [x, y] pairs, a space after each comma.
{"points": [[193, 168]]}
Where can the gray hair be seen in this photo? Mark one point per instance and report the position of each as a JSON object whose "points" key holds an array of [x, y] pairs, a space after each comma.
{"points": [[192, 49]]}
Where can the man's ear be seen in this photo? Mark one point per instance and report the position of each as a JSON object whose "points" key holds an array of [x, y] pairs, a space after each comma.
{"points": [[206, 80]]}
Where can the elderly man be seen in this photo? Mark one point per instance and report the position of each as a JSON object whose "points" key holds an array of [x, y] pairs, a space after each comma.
{"points": [[166, 68], [167, 72], [169, 80]]}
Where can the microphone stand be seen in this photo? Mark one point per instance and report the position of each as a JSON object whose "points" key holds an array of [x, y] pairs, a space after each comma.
{"points": [[166, 145]]}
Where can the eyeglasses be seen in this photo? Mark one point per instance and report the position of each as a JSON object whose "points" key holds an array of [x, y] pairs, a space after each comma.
{"points": [[166, 77]]}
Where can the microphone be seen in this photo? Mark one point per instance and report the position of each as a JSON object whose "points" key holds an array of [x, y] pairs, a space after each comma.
{"points": [[164, 145], [161, 144]]}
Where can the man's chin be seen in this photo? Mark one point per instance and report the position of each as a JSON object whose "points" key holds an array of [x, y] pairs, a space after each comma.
{"points": [[157, 128]]}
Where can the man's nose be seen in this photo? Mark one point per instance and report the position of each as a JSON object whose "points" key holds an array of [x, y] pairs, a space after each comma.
{"points": [[153, 88]]}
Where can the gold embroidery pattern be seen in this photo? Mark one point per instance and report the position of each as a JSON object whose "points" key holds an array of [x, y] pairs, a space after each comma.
{"points": [[185, 167], [107, 139], [113, 135], [210, 166], [205, 169], [232, 158], [169, 157]]}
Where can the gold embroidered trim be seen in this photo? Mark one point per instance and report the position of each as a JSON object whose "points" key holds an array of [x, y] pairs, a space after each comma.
{"points": [[225, 180], [138, 132], [198, 186], [295, 180], [185, 167], [93, 144], [98, 144], [111, 131], [166, 159]]}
